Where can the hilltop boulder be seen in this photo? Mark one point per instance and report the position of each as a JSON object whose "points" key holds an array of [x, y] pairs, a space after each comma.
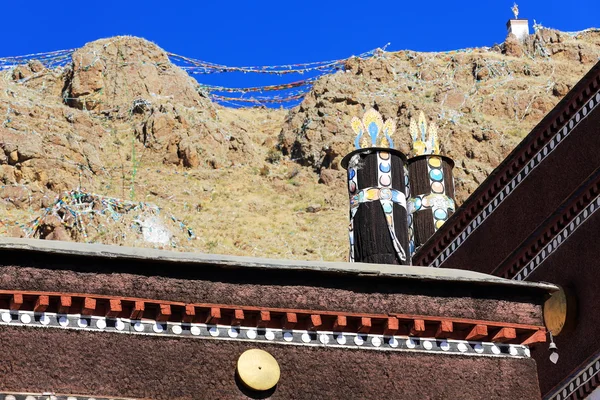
{"points": [[115, 72]]}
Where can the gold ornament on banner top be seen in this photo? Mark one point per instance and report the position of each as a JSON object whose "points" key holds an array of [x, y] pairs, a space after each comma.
{"points": [[424, 136], [371, 131]]}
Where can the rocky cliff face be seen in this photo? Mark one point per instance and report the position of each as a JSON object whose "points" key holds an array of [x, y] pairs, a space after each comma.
{"points": [[115, 90], [483, 100], [120, 120]]}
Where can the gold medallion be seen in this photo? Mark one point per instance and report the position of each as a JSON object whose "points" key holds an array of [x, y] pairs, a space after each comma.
{"points": [[258, 369]]}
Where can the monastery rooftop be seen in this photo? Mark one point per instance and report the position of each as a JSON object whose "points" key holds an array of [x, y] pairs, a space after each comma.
{"points": [[184, 259]]}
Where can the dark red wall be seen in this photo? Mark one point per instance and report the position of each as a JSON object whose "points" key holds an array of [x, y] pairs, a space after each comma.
{"points": [[534, 200], [158, 368], [575, 265]]}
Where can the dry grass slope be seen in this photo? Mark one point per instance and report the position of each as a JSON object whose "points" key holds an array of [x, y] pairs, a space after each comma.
{"points": [[122, 121]]}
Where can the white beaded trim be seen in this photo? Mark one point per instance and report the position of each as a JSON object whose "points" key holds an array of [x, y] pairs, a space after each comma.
{"points": [[268, 335]]}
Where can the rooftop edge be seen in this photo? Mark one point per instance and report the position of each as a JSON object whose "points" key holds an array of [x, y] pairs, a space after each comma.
{"points": [[226, 261]]}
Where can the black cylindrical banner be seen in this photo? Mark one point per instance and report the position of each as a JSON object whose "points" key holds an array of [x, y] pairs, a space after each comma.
{"points": [[378, 229], [431, 200]]}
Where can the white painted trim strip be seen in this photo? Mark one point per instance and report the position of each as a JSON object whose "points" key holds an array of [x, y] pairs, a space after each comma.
{"points": [[585, 374], [267, 335], [558, 240]]}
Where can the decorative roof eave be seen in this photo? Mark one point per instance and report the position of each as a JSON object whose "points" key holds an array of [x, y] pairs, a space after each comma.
{"points": [[498, 180], [383, 271], [583, 381], [160, 311]]}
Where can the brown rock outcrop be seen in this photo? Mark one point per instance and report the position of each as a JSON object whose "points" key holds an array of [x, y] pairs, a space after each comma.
{"points": [[115, 72]]}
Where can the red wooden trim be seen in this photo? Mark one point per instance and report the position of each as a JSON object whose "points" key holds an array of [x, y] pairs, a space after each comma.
{"points": [[164, 312], [478, 332], [391, 326], [445, 329], [495, 324], [238, 317], [405, 317], [504, 335], [16, 301], [536, 337], [398, 324], [290, 320], [65, 304], [418, 327], [214, 315], [264, 319], [89, 306], [41, 304], [365, 325], [315, 322], [189, 313], [114, 308], [138, 310], [340, 323]]}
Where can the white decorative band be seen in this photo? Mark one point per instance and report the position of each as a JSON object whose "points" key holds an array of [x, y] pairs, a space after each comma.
{"points": [[584, 376], [429, 201], [374, 194], [536, 160], [266, 335], [558, 240]]}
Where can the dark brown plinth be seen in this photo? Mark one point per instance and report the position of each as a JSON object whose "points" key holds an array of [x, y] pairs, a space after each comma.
{"points": [[277, 289]]}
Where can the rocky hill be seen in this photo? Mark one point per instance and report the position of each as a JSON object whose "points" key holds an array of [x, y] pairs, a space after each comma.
{"points": [[121, 146]]}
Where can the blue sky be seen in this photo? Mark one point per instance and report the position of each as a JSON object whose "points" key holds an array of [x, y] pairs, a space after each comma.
{"points": [[270, 33]]}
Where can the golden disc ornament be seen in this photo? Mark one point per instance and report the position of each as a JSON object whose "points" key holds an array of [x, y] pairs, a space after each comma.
{"points": [[258, 370], [558, 311]]}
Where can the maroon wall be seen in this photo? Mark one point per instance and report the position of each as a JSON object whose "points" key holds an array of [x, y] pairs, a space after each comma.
{"points": [[534, 200], [148, 367], [575, 265]]}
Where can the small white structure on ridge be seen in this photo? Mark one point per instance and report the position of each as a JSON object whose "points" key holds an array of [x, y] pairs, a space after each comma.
{"points": [[518, 27]]}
